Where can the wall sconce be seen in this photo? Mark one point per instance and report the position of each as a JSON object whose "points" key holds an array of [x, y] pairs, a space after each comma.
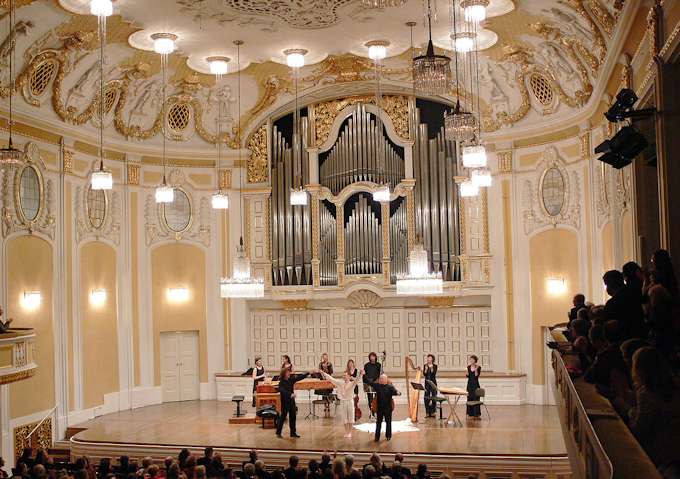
{"points": [[97, 297], [31, 300], [556, 286], [178, 295]]}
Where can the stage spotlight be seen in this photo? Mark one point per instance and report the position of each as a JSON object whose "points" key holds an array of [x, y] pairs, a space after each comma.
{"points": [[622, 148], [625, 100]]}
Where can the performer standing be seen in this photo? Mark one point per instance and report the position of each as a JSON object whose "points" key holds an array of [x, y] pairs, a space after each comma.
{"points": [[372, 371], [473, 372], [384, 391], [325, 366], [259, 375], [352, 370], [345, 392], [287, 382], [285, 363], [430, 373]]}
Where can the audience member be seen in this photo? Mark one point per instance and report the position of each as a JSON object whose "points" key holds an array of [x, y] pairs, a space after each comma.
{"points": [[294, 471], [422, 472], [623, 306], [261, 470], [579, 301], [655, 417], [634, 277], [313, 470], [207, 457], [326, 462]]}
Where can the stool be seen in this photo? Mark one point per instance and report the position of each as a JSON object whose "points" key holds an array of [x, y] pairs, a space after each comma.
{"points": [[238, 399]]}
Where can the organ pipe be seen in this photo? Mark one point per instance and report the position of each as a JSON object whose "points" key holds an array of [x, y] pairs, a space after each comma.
{"points": [[363, 237]]}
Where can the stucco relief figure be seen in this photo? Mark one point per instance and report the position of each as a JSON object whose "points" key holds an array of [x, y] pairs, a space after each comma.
{"points": [[498, 100], [571, 24], [86, 80], [220, 101], [557, 62], [147, 96], [20, 29]]}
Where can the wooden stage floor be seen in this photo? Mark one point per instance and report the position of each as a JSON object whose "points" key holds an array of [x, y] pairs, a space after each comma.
{"points": [[512, 431]]}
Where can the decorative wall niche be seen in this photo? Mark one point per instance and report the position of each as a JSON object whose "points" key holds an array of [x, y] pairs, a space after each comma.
{"points": [[28, 197], [187, 218], [553, 197], [97, 213]]}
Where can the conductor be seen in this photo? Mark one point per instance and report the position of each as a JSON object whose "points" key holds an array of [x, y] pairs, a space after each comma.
{"points": [[384, 391], [287, 382]]}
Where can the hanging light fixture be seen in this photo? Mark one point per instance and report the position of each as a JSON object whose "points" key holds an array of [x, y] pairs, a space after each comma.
{"points": [[295, 59], [463, 42], [474, 156], [382, 3], [10, 155], [432, 72], [219, 66], [419, 280], [481, 177], [101, 179], [164, 45], [467, 189], [474, 10], [460, 125], [377, 50], [241, 284]]}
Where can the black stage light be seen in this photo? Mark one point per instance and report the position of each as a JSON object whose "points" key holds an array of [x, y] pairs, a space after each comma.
{"points": [[625, 100], [622, 148]]}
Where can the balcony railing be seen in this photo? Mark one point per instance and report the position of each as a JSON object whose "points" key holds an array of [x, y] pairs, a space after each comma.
{"points": [[599, 443], [17, 355]]}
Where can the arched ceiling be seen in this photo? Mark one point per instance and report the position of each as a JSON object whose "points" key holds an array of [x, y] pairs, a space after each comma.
{"points": [[541, 60]]}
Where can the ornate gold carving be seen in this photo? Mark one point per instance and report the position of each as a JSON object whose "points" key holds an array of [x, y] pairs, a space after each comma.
{"points": [[294, 304], [179, 116], [18, 376], [505, 161], [225, 179], [598, 38], [654, 28], [133, 174], [602, 15], [364, 299], [441, 301], [541, 89], [257, 161], [584, 140], [341, 68], [396, 107], [485, 219], [41, 438], [247, 220], [68, 156]]}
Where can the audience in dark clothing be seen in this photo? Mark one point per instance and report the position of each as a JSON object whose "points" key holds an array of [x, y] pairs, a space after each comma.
{"points": [[624, 306]]}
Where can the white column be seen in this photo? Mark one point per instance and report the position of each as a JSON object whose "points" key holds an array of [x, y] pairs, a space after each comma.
{"points": [[214, 309], [240, 342]]}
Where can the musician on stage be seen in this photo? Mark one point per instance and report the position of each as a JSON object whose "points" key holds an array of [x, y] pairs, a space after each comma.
{"points": [[285, 363], [287, 382], [259, 375], [345, 392], [385, 391], [325, 366], [372, 370], [430, 374]]}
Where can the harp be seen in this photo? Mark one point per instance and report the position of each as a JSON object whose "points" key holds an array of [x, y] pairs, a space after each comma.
{"points": [[412, 394]]}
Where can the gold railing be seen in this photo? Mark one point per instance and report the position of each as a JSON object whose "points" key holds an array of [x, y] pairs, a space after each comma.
{"points": [[599, 443], [17, 355]]}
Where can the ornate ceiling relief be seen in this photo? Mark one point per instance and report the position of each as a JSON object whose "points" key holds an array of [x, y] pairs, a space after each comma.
{"points": [[97, 213], [553, 197], [258, 163], [28, 197], [187, 218]]}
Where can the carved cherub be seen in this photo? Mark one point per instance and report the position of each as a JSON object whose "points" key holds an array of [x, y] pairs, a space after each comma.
{"points": [[4, 325]]}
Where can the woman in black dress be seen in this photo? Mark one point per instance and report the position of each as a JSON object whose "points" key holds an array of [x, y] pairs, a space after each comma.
{"points": [[259, 376], [430, 374], [473, 372]]}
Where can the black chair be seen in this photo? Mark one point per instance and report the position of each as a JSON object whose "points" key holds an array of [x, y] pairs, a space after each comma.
{"points": [[480, 393], [238, 399], [439, 400]]}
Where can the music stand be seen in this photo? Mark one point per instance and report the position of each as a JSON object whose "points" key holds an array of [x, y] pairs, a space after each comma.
{"points": [[418, 386]]}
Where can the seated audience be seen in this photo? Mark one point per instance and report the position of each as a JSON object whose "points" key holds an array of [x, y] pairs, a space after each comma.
{"points": [[207, 457], [294, 471], [624, 306], [655, 417], [608, 370]]}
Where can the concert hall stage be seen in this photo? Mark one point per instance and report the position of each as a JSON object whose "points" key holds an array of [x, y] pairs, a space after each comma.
{"points": [[517, 438]]}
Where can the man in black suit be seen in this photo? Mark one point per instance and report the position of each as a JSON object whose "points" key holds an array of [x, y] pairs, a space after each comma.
{"points": [[206, 460], [579, 301], [623, 306], [287, 382], [372, 370], [384, 391]]}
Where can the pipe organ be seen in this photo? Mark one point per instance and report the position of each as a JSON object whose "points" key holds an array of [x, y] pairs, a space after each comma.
{"points": [[353, 230], [362, 152], [291, 239], [436, 199], [363, 236]]}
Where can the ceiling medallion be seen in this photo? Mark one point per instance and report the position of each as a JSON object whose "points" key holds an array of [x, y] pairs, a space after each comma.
{"points": [[300, 14]]}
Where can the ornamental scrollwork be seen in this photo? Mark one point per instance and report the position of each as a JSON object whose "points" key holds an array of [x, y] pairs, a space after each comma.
{"points": [[258, 163], [109, 226]]}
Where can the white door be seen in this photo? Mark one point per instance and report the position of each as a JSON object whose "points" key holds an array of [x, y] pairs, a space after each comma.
{"points": [[179, 366]]}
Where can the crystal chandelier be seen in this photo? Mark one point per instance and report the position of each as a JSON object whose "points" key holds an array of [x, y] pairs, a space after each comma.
{"points": [[382, 3], [481, 177], [10, 155], [219, 66], [241, 284], [474, 10], [467, 189], [101, 179], [295, 59], [474, 156], [432, 72], [419, 280], [164, 45], [460, 125]]}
